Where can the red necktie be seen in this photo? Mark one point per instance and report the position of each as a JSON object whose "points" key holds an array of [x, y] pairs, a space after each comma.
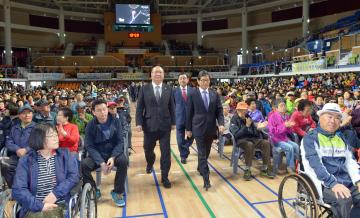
{"points": [[184, 94]]}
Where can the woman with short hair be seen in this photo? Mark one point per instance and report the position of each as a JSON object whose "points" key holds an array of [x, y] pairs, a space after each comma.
{"points": [[45, 175], [69, 135]]}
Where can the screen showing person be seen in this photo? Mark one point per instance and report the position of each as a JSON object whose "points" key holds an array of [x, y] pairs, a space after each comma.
{"points": [[132, 14]]}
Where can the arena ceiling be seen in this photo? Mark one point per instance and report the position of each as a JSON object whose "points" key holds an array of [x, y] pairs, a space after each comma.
{"points": [[166, 7]]}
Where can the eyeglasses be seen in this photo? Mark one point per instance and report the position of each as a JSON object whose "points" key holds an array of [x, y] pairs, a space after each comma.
{"points": [[52, 136]]}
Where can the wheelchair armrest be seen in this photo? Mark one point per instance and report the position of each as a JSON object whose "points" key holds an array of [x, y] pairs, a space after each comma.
{"points": [[3, 152], [76, 189]]}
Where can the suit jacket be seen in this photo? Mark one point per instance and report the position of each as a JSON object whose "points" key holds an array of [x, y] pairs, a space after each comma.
{"points": [[180, 106], [198, 119], [154, 116]]}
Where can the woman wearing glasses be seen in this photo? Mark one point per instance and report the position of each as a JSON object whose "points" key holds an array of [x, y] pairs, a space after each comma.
{"points": [[45, 176]]}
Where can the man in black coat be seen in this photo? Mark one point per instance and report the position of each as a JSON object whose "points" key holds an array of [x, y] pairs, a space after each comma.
{"points": [[204, 109], [155, 115]]}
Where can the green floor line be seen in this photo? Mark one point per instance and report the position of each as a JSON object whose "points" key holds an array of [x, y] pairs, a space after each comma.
{"points": [[193, 185]]}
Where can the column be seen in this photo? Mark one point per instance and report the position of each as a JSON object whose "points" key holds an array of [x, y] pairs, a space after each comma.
{"points": [[199, 28], [305, 13], [7, 30], [61, 26], [244, 36]]}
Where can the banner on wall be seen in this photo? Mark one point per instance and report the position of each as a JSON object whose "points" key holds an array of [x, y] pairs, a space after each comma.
{"points": [[94, 75], [132, 51], [308, 66], [222, 75], [132, 76], [46, 76]]}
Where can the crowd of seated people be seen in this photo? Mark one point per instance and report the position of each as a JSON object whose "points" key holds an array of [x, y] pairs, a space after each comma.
{"points": [[8, 71], [261, 113], [44, 127]]}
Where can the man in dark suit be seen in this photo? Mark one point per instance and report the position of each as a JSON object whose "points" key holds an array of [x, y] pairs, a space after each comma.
{"points": [[204, 109], [155, 116], [181, 94]]}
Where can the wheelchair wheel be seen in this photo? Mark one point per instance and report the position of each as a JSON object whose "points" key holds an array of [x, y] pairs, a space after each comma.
{"points": [[88, 204], [6, 204], [296, 198]]}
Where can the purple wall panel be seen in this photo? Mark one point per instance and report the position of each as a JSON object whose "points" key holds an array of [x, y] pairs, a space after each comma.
{"points": [[317, 10], [70, 25], [190, 27]]}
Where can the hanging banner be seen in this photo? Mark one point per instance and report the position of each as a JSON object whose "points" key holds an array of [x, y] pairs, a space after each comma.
{"points": [[133, 76], [308, 66], [94, 75], [45, 76]]}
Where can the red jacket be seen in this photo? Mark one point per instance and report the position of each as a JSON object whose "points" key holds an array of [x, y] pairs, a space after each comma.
{"points": [[71, 141], [302, 124]]}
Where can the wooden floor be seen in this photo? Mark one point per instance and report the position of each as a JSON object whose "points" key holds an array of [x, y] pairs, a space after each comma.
{"points": [[230, 196]]}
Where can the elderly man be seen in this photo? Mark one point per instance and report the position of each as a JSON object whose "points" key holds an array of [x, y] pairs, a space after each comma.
{"points": [[329, 157]]}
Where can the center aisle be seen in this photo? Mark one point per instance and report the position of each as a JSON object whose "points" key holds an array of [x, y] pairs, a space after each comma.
{"points": [[229, 196]]}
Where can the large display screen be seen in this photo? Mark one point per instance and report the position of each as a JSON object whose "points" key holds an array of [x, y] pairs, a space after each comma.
{"points": [[132, 14]]}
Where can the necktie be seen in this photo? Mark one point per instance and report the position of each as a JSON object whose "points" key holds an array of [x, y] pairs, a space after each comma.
{"points": [[157, 93], [205, 99], [184, 94]]}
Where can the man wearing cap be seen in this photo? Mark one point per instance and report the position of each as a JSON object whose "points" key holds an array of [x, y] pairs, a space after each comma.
{"points": [[44, 115], [290, 102], [248, 137], [81, 118], [326, 154], [17, 143], [78, 98]]}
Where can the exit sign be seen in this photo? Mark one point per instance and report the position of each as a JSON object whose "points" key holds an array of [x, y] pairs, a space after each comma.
{"points": [[134, 35]]}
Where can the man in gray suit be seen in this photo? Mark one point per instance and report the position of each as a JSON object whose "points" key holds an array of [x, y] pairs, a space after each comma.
{"points": [[155, 115]]}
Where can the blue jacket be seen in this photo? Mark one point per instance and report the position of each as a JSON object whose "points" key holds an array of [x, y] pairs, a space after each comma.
{"points": [[100, 149], [51, 119], [25, 182], [180, 106], [330, 157], [5, 128], [19, 137]]}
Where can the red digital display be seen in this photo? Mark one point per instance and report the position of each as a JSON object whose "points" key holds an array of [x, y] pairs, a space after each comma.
{"points": [[134, 35]]}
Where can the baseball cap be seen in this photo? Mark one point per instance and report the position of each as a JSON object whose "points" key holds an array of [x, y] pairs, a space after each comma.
{"points": [[81, 104], [241, 106], [25, 107], [111, 103], [330, 108]]}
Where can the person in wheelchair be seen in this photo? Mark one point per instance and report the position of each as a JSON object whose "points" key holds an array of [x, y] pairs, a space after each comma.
{"points": [[248, 137], [45, 175], [17, 143], [329, 157], [104, 142]]}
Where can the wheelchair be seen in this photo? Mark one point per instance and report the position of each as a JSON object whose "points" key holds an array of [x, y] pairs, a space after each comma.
{"points": [[5, 193], [300, 194], [82, 203], [98, 174]]}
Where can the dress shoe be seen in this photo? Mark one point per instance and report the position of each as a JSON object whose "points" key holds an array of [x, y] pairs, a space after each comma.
{"points": [[166, 182], [183, 160], [148, 170], [207, 184]]}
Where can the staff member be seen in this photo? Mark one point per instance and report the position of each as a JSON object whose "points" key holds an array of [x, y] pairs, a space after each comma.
{"points": [[155, 115], [204, 109]]}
